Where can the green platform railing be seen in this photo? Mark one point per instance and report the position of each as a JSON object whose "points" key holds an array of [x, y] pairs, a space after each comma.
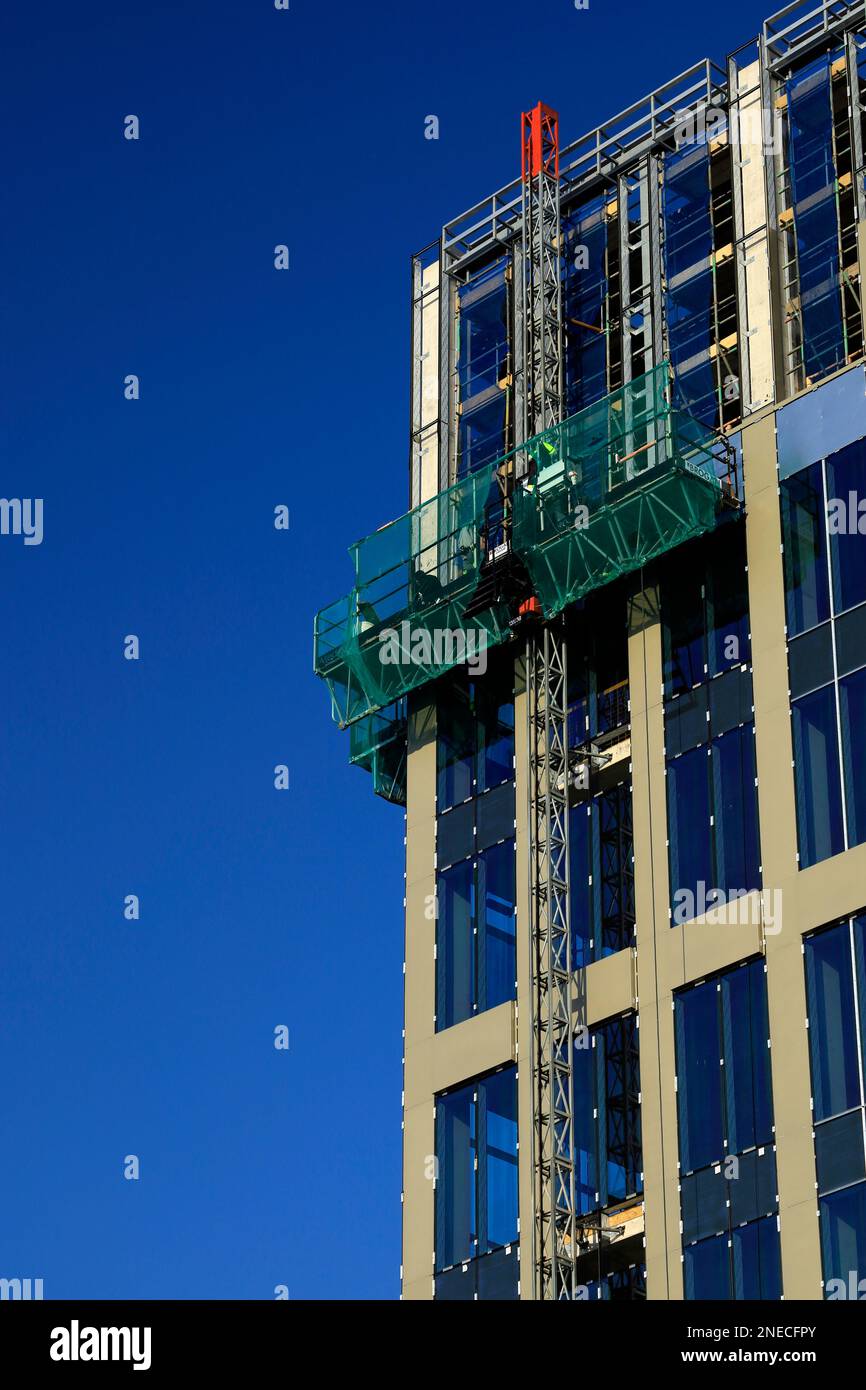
{"points": [[581, 504]]}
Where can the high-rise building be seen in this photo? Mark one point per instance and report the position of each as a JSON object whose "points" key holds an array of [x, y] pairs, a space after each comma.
{"points": [[613, 662]]}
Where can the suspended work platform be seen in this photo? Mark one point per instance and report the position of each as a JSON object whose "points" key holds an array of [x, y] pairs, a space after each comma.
{"points": [[575, 507]]}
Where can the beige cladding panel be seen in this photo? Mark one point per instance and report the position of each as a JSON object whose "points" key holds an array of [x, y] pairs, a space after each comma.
{"points": [[755, 131], [419, 1006], [426, 368]]}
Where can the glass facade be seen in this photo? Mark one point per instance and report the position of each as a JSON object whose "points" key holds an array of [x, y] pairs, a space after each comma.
{"points": [[476, 962], [714, 851], [601, 842], [483, 368], [729, 1204], [836, 994], [476, 1173], [607, 1114], [825, 590], [475, 937]]}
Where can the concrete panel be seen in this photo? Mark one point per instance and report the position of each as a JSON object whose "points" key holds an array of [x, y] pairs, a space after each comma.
{"points": [[419, 1003], [475, 1046], [658, 1099], [606, 988], [750, 170], [419, 1147]]}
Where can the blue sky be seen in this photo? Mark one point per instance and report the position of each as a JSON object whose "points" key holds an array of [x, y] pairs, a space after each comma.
{"points": [[258, 387]]}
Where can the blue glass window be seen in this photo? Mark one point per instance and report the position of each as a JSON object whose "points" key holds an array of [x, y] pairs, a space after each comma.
{"points": [[804, 529], [476, 1183], [706, 1269], [699, 1077], [723, 1066], [691, 859], [836, 994], [584, 299], [757, 1265], [813, 195], [727, 1161], [827, 665], [601, 877], [833, 1039], [475, 734], [846, 484], [483, 366], [735, 811], [843, 1239], [852, 709], [819, 791], [476, 961], [607, 1114]]}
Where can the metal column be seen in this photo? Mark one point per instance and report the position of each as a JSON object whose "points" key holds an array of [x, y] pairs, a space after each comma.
{"points": [[554, 1236]]}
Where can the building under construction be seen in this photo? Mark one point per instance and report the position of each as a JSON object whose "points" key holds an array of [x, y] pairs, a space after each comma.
{"points": [[610, 661]]}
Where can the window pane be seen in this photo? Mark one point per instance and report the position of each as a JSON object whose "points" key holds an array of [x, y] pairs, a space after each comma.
{"points": [[686, 722], [689, 825], [579, 888], [684, 634], [706, 1267], [699, 1088], [619, 1110], [843, 1235], [482, 332], [735, 811], [496, 925], [455, 946], [804, 531], [839, 1152], [455, 834], [495, 815], [498, 1274], [730, 701], [816, 759], [832, 1036], [851, 640], [455, 1182], [846, 484], [455, 746], [757, 1261], [747, 1057], [752, 1192], [704, 1204], [481, 433], [586, 1171], [810, 660], [498, 1174], [852, 708], [614, 867], [496, 731], [728, 601]]}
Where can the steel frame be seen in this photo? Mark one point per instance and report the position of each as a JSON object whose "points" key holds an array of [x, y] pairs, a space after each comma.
{"points": [[554, 1224], [540, 397], [540, 282]]}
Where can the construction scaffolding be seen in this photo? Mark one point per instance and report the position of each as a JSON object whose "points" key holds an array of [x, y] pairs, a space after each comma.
{"points": [[578, 505]]}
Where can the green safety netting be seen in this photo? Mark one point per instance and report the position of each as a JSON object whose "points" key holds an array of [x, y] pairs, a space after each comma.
{"points": [[580, 504], [403, 622], [378, 743]]}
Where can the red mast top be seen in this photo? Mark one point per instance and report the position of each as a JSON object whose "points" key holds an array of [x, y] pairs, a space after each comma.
{"points": [[539, 142]]}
